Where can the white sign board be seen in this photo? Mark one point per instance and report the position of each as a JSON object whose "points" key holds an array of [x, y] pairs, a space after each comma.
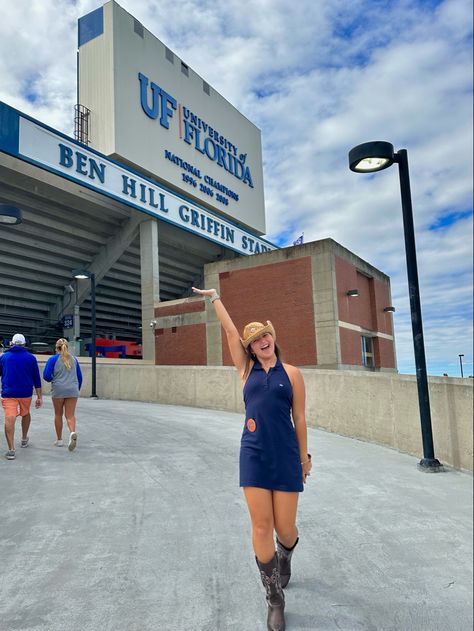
{"points": [[152, 111], [57, 153]]}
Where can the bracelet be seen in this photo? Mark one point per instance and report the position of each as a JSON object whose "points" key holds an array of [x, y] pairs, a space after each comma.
{"points": [[215, 296], [306, 461]]}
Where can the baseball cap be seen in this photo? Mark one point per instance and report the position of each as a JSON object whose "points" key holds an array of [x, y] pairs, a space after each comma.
{"points": [[18, 338]]}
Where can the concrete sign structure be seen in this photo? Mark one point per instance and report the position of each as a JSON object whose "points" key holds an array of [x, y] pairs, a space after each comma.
{"points": [[150, 109], [31, 141], [161, 193], [166, 177]]}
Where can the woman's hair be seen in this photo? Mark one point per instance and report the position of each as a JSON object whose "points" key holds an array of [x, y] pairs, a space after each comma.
{"points": [[251, 357], [62, 347]]}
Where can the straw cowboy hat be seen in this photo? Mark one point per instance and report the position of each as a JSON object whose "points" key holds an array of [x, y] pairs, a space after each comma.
{"points": [[254, 330]]}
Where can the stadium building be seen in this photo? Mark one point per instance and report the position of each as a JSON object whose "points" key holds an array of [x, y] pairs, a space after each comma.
{"points": [[160, 189]]}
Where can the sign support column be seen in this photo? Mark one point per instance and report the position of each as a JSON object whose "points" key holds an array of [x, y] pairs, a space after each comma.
{"points": [[150, 281]]}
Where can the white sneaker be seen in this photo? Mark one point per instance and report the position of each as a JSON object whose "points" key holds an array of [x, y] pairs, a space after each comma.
{"points": [[72, 441], [24, 442], [58, 443]]}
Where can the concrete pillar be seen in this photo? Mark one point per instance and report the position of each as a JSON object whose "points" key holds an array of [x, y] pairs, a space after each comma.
{"points": [[328, 348], [150, 280], [213, 326], [74, 343]]}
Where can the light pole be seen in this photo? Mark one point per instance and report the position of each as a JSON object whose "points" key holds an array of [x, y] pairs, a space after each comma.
{"points": [[461, 355], [368, 158], [10, 215], [82, 274]]}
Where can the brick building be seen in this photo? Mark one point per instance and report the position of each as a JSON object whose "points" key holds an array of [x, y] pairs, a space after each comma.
{"points": [[330, 309]]}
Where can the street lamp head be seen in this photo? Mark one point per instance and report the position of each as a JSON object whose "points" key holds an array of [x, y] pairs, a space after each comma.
{"points": [[371, 156], [80, 274], [10, 215]]}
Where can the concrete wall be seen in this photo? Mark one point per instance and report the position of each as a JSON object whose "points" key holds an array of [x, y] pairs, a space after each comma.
{"points": [[377, 407]]}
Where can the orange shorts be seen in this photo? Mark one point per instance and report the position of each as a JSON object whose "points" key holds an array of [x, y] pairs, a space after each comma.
{"points": [[16, 407]]}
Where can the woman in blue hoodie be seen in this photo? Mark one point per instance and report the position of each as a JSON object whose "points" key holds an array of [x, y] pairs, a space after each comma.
{"points": [[64, 373]]}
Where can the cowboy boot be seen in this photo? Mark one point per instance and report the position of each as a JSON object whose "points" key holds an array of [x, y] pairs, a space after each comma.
{"points": [[270, 575], [284, 559]]}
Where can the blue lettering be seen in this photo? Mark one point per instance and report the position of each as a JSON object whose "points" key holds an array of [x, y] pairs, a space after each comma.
{"points": [[247, 178], [96, 170], [208, 142], [65, 156], [166, 112], [160, 100], [244, 243], [195, 218], [231, 163], [183, 213], [151, 193], [188, 132], [239, 170], [152, 111], [162, 203], [81, 161], [229, 234], [128, 187], [209, 224], [221, 154], [143, 193]]}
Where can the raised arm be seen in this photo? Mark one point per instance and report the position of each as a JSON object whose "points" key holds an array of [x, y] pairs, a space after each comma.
{"points": [[233, 338]]}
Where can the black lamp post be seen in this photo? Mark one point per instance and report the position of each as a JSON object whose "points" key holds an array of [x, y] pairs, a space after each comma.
{"points": [[460, 363], [368, 158], [82, 274], [10, 215]]}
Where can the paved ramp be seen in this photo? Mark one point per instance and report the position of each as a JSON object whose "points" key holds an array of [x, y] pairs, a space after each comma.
{"points": [[144, 528]]}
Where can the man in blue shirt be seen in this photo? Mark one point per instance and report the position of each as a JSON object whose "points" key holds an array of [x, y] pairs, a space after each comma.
{"points": [[19, 374]]}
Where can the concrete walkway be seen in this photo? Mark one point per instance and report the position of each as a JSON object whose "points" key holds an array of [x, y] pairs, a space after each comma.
{"points": [[144, 528]]}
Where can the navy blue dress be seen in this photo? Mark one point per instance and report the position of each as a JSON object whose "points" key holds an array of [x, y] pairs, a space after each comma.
{"points": [[269, 452]]}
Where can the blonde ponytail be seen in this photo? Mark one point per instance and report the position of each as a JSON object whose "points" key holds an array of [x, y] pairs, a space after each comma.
{"points": [[62, 347]]}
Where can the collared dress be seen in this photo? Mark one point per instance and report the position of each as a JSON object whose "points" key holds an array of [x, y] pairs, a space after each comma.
{"points": [[269, 452]]}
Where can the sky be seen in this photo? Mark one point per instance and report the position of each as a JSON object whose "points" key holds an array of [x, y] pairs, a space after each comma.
{"points": [[318, 77]]}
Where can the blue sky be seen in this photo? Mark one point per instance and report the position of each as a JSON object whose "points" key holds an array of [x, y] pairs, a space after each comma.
{"points": [[317, 77]]}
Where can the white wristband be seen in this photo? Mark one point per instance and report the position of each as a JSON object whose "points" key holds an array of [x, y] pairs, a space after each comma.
{"points": [[215, 296]]}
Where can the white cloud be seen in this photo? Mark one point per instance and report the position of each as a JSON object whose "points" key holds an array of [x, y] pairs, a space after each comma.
{"points": [[318, 77]]}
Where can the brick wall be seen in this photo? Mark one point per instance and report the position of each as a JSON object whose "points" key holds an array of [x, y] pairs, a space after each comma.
{"points": [[179, 341], [383, 320], [280, 292], [383, 352], [354, 310], [181, 345], [351, 353]]}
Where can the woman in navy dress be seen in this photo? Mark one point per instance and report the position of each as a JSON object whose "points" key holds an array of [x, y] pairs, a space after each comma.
{"points": [[274, 460]]}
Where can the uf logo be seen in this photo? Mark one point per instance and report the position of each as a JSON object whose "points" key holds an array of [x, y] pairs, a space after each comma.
{"points": [[160, 101]]}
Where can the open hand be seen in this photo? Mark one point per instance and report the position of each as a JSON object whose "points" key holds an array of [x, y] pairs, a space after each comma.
{"points": [[204, 292]]}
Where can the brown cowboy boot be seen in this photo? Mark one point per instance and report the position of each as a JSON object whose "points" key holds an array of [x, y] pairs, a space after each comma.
{"points": [[270, 575], [284, 559]]}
